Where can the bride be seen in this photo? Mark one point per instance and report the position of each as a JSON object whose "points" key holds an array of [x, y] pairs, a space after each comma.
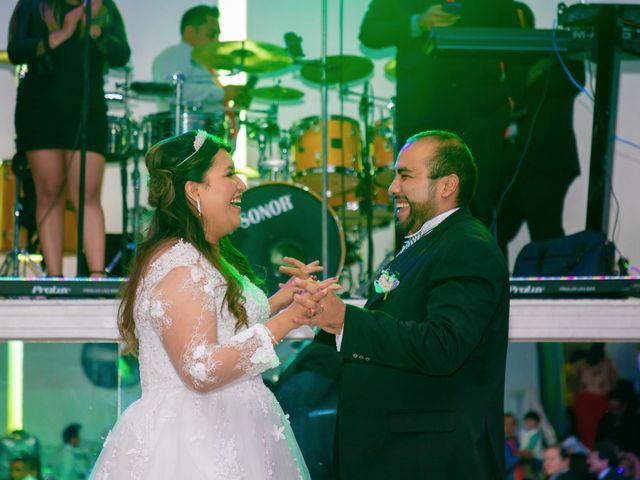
{"points": [[204, 332]]}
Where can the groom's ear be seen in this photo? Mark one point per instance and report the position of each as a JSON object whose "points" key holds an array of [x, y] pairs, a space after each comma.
{"points": [[450, 185]]}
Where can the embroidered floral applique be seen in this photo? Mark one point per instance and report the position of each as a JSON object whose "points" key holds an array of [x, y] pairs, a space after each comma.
{"points": [[278, 432]]}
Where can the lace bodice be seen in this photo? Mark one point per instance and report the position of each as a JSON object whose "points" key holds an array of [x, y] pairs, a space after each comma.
{"points": [[186, 331]]}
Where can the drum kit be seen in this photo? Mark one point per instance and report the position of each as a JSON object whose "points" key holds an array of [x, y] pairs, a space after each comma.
{"points": [[290, 160]]}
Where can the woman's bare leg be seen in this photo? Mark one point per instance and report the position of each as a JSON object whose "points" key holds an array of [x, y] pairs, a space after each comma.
{"points": [[47, 168], [94, 230]]}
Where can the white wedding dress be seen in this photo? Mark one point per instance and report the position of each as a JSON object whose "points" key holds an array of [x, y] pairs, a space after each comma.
{"points": [[204, 412]]}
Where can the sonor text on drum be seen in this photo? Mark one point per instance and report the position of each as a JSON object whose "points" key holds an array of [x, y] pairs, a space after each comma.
{"points": [[265, 211]]}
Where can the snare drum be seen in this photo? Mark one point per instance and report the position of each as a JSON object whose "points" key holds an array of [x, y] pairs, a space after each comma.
{"points": [[344, 153], [282, 219], [383, 153], [120, 142], [158, 126]]}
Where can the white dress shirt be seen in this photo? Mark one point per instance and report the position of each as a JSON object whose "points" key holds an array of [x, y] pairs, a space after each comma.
{"points": [[200, 90]]}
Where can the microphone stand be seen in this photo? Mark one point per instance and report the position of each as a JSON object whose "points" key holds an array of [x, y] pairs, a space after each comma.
{"points": [[84, 119]]}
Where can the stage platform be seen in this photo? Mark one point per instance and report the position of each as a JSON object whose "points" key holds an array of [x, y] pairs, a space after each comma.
{"points": [[532, 320]]}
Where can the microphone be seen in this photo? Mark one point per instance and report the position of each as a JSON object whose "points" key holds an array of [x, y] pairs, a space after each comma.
{"points": [[294, 45]]}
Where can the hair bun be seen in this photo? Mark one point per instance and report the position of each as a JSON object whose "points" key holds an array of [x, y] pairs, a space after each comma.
{"points": [[161, 191]]}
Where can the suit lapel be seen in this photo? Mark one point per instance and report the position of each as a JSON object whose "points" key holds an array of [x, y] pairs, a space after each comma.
{"points": [[417, 254]]}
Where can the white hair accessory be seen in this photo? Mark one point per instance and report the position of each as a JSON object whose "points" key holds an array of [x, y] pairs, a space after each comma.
{"points": [[201, 136]]}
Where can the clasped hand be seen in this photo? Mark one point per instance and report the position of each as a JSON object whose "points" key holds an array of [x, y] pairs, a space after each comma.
{"points": [[296, 269], [322, 307]]}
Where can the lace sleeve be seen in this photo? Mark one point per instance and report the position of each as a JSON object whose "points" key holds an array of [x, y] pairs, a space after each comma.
{"points": [[185, 311]]}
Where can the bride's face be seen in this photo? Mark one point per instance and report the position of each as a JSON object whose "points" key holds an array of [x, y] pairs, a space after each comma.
{"points": [[220, 197]]}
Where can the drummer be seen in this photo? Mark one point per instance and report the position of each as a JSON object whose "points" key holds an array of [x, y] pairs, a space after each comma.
{"points": [[199, 25]]}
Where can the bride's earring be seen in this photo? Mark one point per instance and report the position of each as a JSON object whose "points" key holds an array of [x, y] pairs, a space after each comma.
{"points": [[198, 206]]}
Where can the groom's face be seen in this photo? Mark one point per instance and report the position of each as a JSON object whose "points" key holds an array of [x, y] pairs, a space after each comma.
{"points": [[414, 193]]}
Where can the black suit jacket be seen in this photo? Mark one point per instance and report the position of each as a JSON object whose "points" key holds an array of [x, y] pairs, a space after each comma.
{"points": [[431, 86], [422, 382]]}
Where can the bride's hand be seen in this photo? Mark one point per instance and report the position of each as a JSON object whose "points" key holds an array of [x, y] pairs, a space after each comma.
{"points": [[297, 269], [308, 297]]}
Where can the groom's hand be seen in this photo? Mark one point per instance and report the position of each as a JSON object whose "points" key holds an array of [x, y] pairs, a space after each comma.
{"points": [[324, 308]]}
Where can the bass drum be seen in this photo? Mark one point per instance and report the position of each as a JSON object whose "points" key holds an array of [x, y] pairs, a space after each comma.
{"points": [[284, 220]]}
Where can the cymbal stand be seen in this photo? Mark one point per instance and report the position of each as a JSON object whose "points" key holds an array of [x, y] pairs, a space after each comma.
{"points": [[366, 102], [135, 173], [266, 163], [178, 80], [294, 47], [284, 146], [324, 112], [131, 134], [365, 106]]}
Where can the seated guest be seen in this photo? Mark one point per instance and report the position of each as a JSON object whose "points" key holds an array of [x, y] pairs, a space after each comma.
{"points": [[621, 424], [603, 461], [555, 463]]}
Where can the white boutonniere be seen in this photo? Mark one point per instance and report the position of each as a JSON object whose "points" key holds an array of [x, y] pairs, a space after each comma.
{"points": [[386, 282]]}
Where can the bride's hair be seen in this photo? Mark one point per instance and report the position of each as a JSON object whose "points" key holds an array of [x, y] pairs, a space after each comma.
{"points": [[171, 164]]}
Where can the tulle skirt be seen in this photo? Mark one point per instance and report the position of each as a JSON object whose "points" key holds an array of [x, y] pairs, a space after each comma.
{"points": [[236, 432]]}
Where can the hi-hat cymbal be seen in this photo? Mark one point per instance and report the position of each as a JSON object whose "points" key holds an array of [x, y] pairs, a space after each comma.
{"points": [[277, 93], [159, 89], [340, 69], [4, 56], [390, 68], [246, 56]]}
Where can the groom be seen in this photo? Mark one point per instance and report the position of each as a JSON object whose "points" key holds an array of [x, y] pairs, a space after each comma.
{"points": [[423, 363]]}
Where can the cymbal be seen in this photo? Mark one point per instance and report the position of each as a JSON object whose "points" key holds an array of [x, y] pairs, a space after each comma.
{"points": [[246, 56], [4, 56], [390, 68], [159, 89], [340, 69], [277, 93]]}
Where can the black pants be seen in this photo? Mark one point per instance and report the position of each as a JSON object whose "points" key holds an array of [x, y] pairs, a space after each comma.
{"points": [[537, 199]]}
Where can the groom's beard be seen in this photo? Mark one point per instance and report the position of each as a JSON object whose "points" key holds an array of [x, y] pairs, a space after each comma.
{"points": [[419, 213]]}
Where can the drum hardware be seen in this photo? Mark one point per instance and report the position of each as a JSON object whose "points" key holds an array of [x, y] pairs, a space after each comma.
{"points": [[242, 56], [178, 80], [114, 97], [18, 256], [124, 133], [273, 166]]}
